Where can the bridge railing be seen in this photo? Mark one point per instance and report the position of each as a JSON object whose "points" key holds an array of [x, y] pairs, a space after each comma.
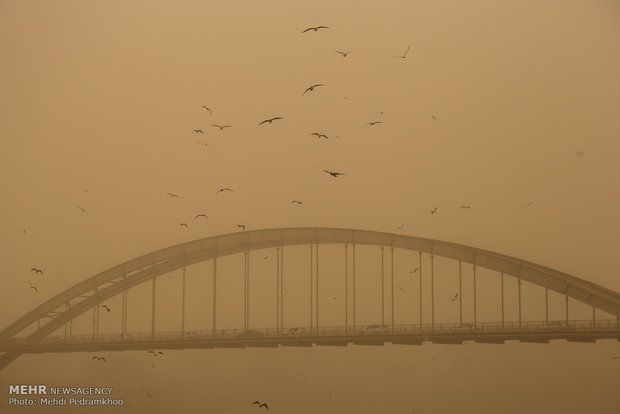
{"points": [[608, 325]]}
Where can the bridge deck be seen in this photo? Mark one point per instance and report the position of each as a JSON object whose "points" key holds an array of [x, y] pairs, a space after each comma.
{"points": [[537, 332]]}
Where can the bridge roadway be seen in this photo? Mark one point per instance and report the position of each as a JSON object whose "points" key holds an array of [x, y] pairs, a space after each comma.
{"points": [[538, 332]]}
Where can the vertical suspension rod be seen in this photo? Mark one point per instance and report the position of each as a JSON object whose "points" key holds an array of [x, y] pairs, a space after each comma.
{"points": [[382, 289], [392, 282], [214, 292]]}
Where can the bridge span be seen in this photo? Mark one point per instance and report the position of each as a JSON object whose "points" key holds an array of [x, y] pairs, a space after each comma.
{"points": [[367, 301]]}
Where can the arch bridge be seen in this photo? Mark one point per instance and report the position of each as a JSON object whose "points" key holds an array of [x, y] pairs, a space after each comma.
{"points": [[369, 288]]}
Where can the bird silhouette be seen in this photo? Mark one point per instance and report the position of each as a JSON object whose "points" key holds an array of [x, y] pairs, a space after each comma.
{"points": [[148, 394], [106, 308], [35, 289], [434, 211], [201, 215], [311, 88], [82, 208], [221, 127], [529, 204], [208, 109], [270, 120], [374, 122], [221, 190], [264, 405], [99, 358], [333, 173], [344, 54], [414, 270], [184, 225], [434, 117], [319, 135], [155, 353], [173, 195], [39, 271], [401, 289], [198, 131], [615, 357], [456, 295], [404, 55], [297, 202], [315, 28], [241, 226], [466, 207]]}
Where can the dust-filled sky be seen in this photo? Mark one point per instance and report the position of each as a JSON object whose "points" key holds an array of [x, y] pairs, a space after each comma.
{"points": [[510, 107]]}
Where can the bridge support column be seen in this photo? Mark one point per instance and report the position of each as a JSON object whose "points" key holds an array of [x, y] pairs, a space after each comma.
{"points": [[432, 291], [153, 308], [519, 298], [502, 284], [354, 287], [311, 287], [246, 295], [317, 287], [420, 270], [546, 306], [460, 292], [392, 282], [475, 301], [281, 287], [214, 293], [183, 307], [346, 287], [382, 289]]}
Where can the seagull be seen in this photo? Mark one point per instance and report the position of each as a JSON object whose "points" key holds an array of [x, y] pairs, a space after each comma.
{"points": [[265, 257], [333, 173], [405, 54], [35, 289], [374, 122], [184, 225], [456, 295], [198, 131], [315, 28], [297, 202], [221, 127], [466, 207], [320, 135], [270, 120], [148, 394], [106, 308], [99, 358], [344, 54], [208, 109], [82, 208], [414, 270], [433, 116], [241, 226], [401, 288], [155, 353], [311, 88], [34, 269], [201, 215], [434, 211], [173, 195], [221, 190], [264, 405], [529, 204]]}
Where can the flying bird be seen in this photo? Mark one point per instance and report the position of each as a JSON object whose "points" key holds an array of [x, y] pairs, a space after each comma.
{"points": [[34, 269], [333, 173], [173, 195], [529, 204], [201, 215], [82, 208], [99, 358], [198, 131], [208, 109], [434, 117], [456, 295], [155, 353], [264, 405], [311, 88], [374, 122], [270, 120], [297, 202], [344, 54], [35, 289], [466, 207], [319, 135], [615, 357], [241, 226], [315, 28], [221, 190], [106, 308], [414, 270], [404, 55], [221, 127], [148, 394], [401, 289], [434, 211], [184, 225]]}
